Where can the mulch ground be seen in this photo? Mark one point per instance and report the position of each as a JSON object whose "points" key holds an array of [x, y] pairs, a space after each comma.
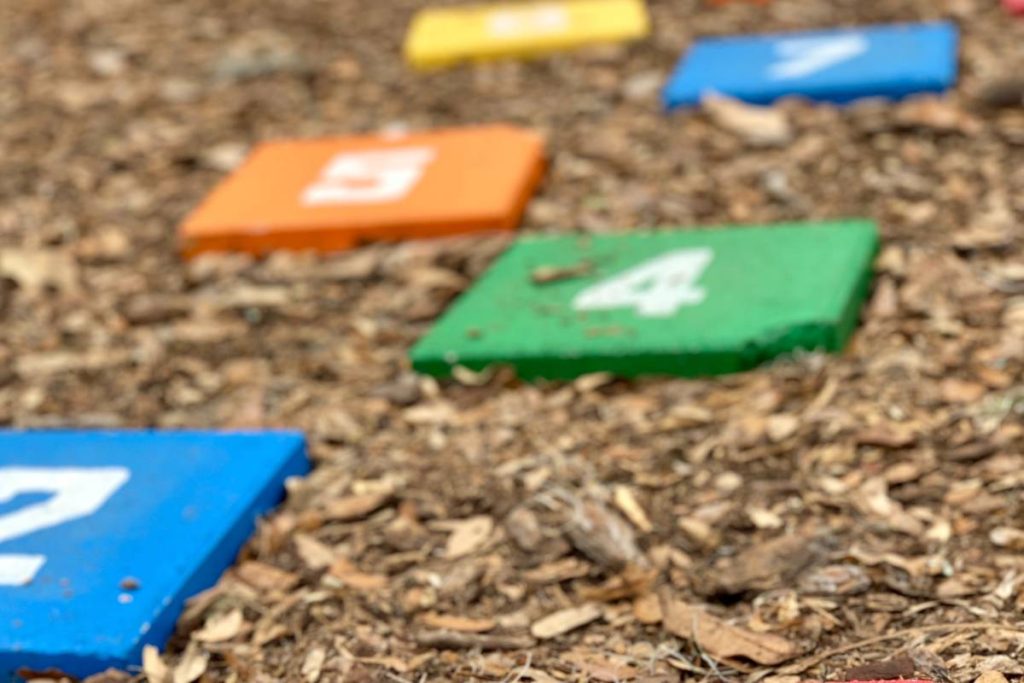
{"points": [[783, 524]]}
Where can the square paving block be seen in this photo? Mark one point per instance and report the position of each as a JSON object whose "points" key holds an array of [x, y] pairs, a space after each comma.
{"points": [[338, 193], [104, 535], [441, 37], [672, 302], [839, 65]]}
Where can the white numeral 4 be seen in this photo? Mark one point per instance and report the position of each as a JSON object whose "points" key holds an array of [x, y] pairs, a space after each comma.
{"points": [[74, 493], [369, 177], [656, 288], [806, 56]]}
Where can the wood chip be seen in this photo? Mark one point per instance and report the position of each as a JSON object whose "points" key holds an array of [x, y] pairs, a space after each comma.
{"points": [[468, 536], [220, 628], [153, 666], [453, 640], [454, 622], [721, 640], [565, 620], [354, 507], [627, 503], [266, 577]]}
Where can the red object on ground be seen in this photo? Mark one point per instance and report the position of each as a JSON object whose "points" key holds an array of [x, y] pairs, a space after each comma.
{"points": [[1015, 6]]}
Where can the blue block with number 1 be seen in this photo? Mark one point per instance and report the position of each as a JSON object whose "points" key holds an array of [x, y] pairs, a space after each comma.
{"points": [[103, 535], [839, 65]]}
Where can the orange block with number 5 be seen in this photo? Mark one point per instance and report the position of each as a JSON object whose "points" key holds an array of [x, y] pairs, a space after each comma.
{"points": [[338, 193]]}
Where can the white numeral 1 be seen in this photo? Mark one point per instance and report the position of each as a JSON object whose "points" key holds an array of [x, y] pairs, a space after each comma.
{"points": [[656, 288], [805, 56], [369, 177], [531, 20], [75, 493]]}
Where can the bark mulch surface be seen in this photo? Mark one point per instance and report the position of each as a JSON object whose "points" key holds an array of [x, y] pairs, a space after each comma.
{"points": [[789, 523]]}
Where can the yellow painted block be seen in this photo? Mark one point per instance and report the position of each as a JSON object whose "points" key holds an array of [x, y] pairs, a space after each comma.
{"points": [[444, 36]]}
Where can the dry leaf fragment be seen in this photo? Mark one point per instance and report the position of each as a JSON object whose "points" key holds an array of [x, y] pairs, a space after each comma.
{"points": [[313, 664], [313, 553], [523, 527], [1007, 537], [759, 567], [153, 666], [836, 579], [886, 437], [632, 581], [545, 274], [991, 677], [36, 269], [782, 426], [721, 640], [192, 665], [266, 577], [627, 503], [602, 535], [453, 640], [647, 609], [757, 125], [454, 622], [220, 628], [354, 507], [351, 576], [901, 666], [563, 621], [468, 536]]}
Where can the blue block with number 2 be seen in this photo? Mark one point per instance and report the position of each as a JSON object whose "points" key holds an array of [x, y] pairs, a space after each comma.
{"points": [[840, 65], [104, 535]]}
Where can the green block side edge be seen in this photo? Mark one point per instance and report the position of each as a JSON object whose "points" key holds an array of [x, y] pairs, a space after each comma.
{"points": [[830, 336]]}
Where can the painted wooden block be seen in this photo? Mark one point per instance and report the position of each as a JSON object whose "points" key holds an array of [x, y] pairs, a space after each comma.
{"points": [[103, 535], [1014, 6], [673, 302], [440, 37], [839, 65], [338, 193]]}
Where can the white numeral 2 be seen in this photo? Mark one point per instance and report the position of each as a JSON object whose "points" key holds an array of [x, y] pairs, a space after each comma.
{"points": [[508, 23], [656, 288], [369, 177], [75, 493], [805, 56]]}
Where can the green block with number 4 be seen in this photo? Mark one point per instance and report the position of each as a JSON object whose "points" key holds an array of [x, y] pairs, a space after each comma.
{"points": [[672, 302]]}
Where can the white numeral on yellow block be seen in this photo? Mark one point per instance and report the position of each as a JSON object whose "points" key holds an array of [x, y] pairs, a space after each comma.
{"points": [[529, 21]]}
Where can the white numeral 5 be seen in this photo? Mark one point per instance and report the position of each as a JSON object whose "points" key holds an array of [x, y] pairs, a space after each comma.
{"points": [[369, 177], [656, 288], [76, 492], [805, 56]]}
